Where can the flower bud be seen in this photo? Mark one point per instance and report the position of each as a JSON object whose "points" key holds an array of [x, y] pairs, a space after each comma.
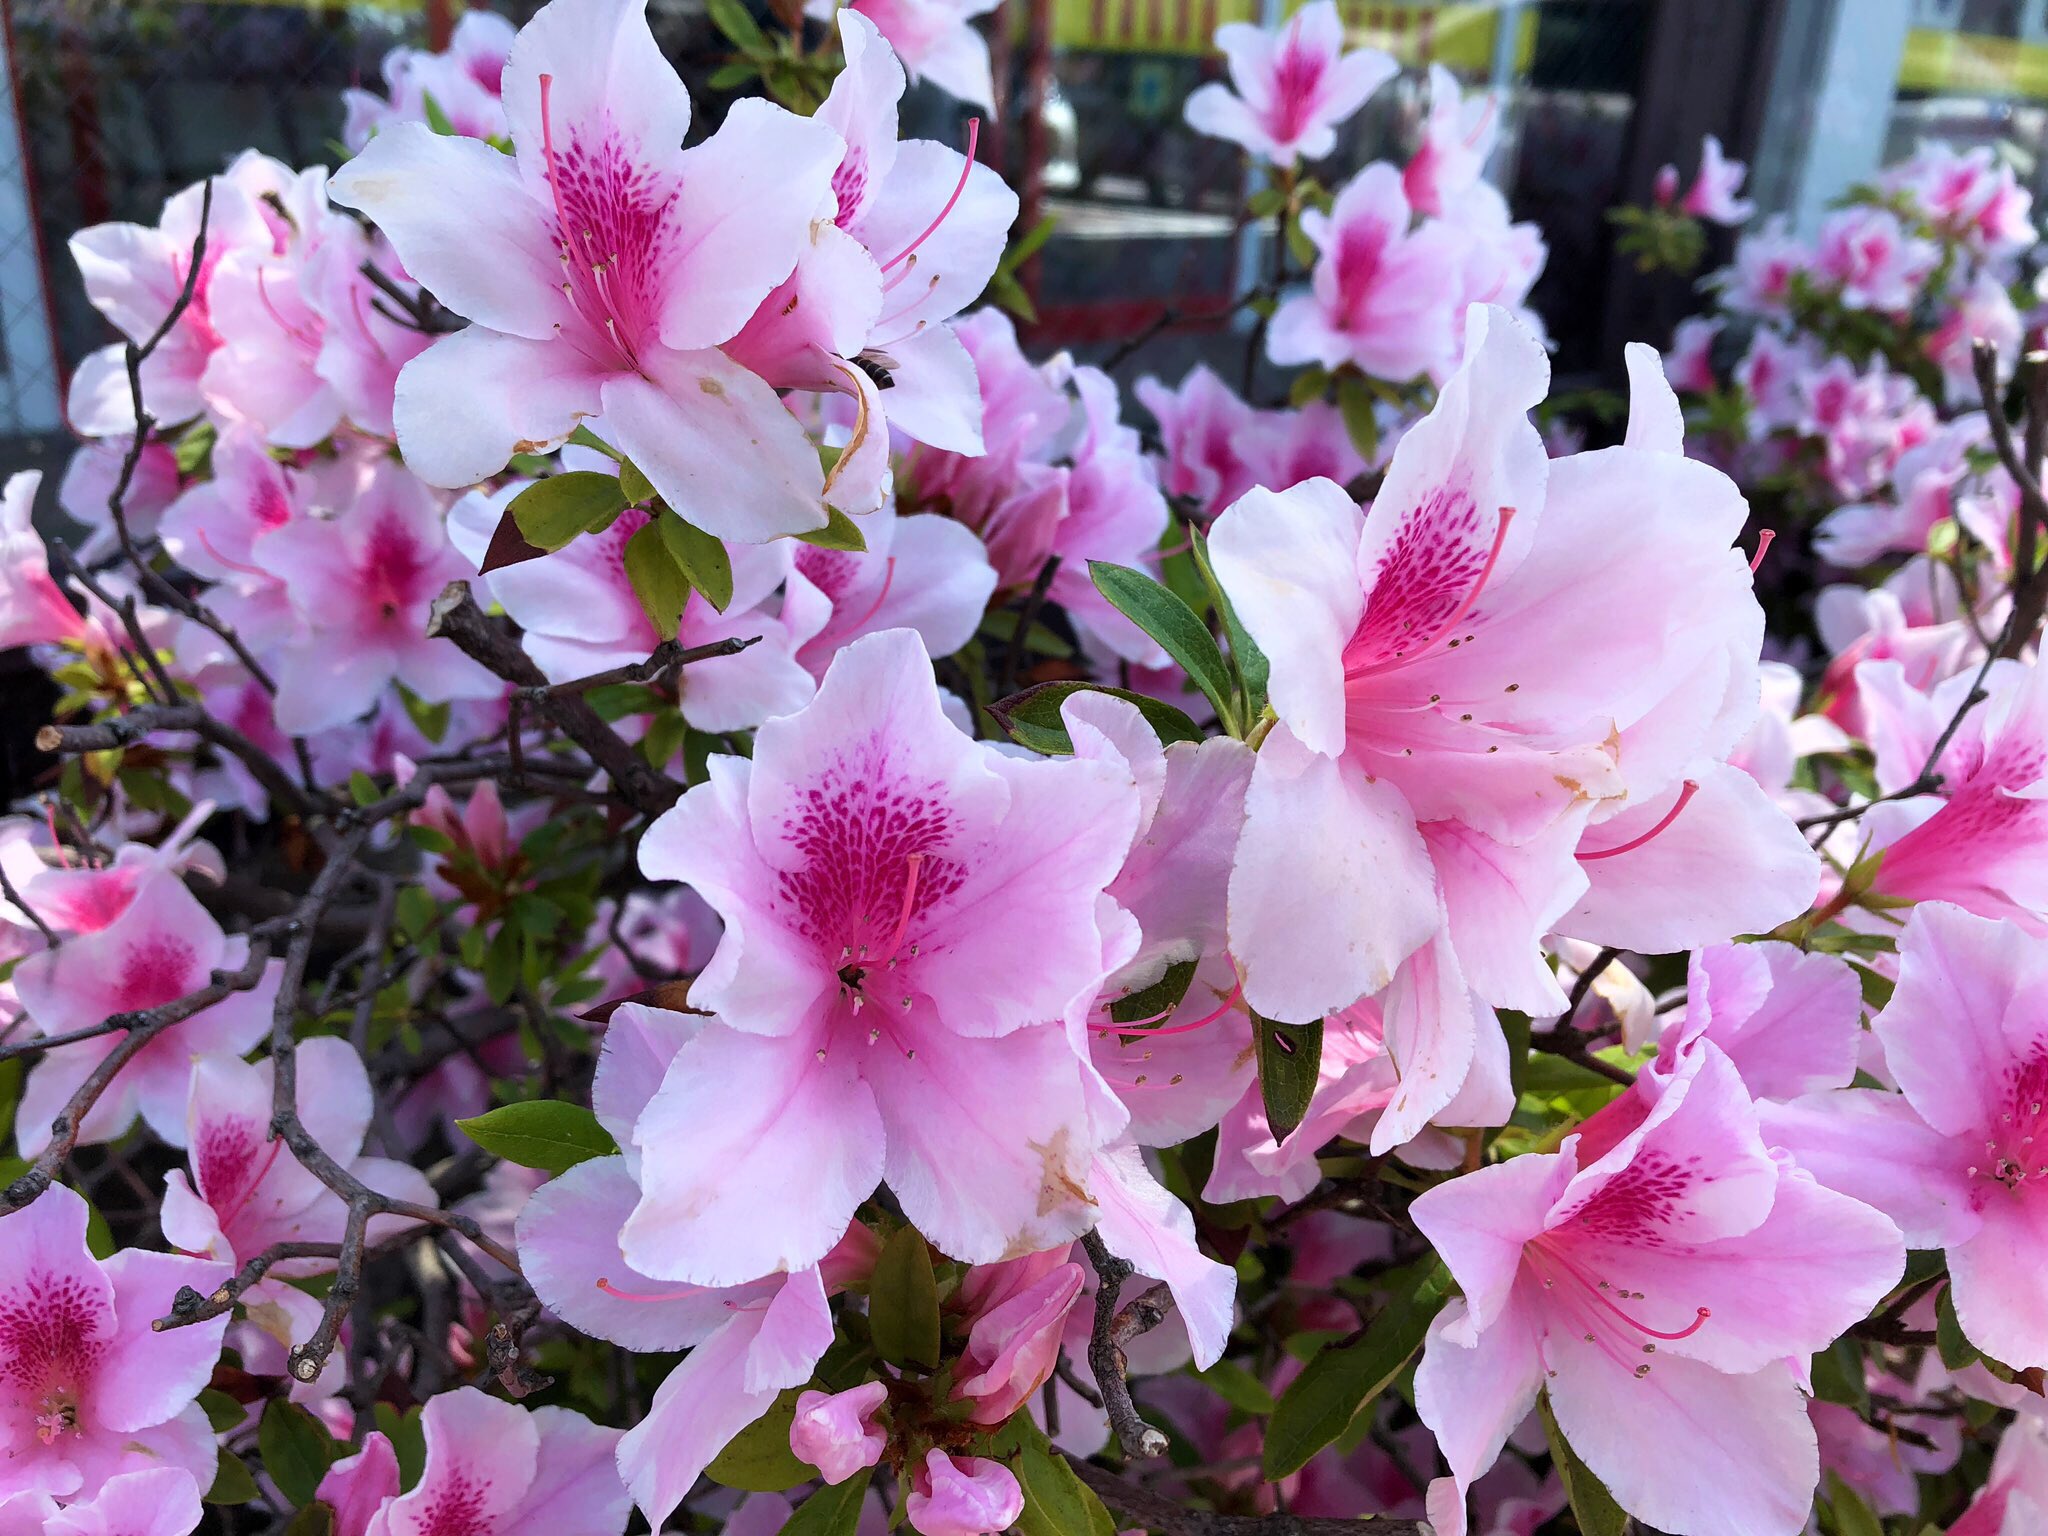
{"points": [[963, 1496], [836, 1432], [1012, 1349]]}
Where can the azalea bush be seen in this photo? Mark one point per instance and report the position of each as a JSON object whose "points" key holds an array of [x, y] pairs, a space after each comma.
{"points": [[680, 888]]}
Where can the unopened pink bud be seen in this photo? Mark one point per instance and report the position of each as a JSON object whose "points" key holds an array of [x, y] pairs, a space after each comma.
{"points": [[964, 1496], [836, 1432]]}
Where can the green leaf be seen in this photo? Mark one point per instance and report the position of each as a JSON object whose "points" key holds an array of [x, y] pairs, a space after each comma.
{"points": [[1290, 1056], [1361, 420], [657, 580], [1853, 1517], [758, 1459], [408, 1439], [1253, 669], [232, 1483], [432, 719], [700, 557], [1838, 1376], [195, 448], [583, 437], [1162, 997], [1308, 385], [540, 1133], [314, 1520], [841, 532], [437, 119], [633, 485], [833, 1510], [296, 1449], [903, 1302], [1592, 1505], [1956, 1349], [1155, 610], [1238, 1387], [1032, 718], [551, 512], [1056, 1501], [730, 76], [223, 1413], [362, 788], [737, 23], [1339, 1382]]}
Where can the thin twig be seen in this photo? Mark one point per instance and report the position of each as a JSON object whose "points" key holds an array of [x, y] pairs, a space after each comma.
{"points": [[668, 654], [20, 904], [1158, 1513], [1105, 1350]]}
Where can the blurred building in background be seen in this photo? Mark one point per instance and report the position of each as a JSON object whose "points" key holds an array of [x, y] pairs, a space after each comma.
{"points": [[106, 106]]}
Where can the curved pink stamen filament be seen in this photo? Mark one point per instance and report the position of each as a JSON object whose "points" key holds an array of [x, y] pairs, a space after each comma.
{"points": [[1143, 1026], [684, 1294], [270, 1158], [302, 337], [966, 170], [888, 578], [1470, 601], [206, 543], [903, 914], [1599, 1294], [1763, 547], [1684, 794], [56, 842]]}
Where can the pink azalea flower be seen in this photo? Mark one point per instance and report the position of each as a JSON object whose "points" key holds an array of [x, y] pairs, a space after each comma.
{"points": [[1688, 365], [837, 1433], [91, 1391], [963, 1496], [935, 39], [1715, 192], [1773, 373], [133, 274], [1914, 618], [621, 262], [163, 945], [1463, 773], [1289, 90], [923, 572], [1981, 311], [1978, 841], [1957, 1160], [1968, 193], [2015, 1498], [1758, 281], [1869, 257], [1651, 1277], [1790, 1022], [492, 1469], [1502, 259], [747, 1342], [1458, 137], [465, 82], [90, 478], [874, 867], [246, 1191], [916, 236], [158, 1501], [33, 608], [1281, 449], [1198, 424], [1383, 297], [360, 584]]}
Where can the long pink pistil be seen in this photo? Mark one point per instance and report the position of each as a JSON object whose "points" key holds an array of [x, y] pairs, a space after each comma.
{"points": [[684, 1294], [966, 170], [888, 580], [916, 862], [1763, 547], [1471, 600], [1685, 794], [1598, 1291]]}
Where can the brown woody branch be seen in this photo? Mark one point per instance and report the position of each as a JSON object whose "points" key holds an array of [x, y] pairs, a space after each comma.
{"points": [[1112, 1330], [1163, 1515], [455, 616]]}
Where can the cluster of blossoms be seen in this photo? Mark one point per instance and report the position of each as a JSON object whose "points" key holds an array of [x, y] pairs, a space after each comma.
{"points": [[1837, 376], [690, 889]]}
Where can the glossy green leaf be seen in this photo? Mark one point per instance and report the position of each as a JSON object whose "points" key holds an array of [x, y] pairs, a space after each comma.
{"points": [[758, 1459], [1954, 1346], [1253, 669], [903, 1302], [551, 512], [541, 1133], [1163, 616], [633, 485], [1162, 997], [1592, 1505], [833, 1510], [1289, 1056], [232, 1483], [296, 1449], [1320, 1403], [314, 1520], [657, 580], [842, 532], [702, 558], [1056, 1501], [1853, 1517], [1032, 718]]}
